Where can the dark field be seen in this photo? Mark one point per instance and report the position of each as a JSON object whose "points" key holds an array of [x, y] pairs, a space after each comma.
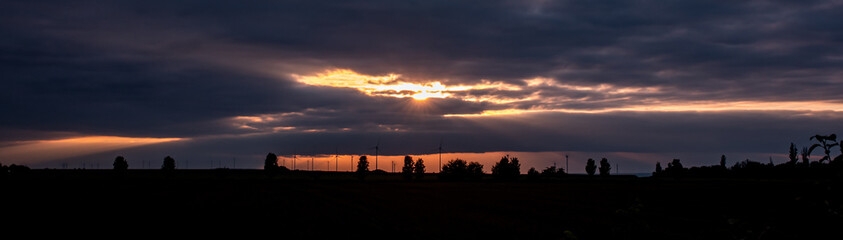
{"points": [[316, 205]]}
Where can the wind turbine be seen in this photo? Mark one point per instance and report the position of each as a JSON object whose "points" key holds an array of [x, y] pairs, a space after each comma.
{"points": [[566, 163], [336, 160], [440, 154], [377, 148]]}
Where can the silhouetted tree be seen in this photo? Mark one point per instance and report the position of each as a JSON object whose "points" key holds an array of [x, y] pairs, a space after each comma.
{"points": [[806, 156], [507, 168], [4, 171], [658, 168], [120, 163], [271, 162], [675, 164], [674, 168], [362, 167], [456, 169], [169, 163], [12, 170], [475, 170], [605, 167], [751, 168], [418, 169], [533, 174], [549, 172], [826, 142], [839, 157], [590, 167], [723, 161], [15, 169], [407, 170], [793, 155]]}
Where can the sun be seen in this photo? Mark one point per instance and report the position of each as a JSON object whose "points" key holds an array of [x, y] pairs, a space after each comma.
{"points": [[388, 85], [423, 95]]}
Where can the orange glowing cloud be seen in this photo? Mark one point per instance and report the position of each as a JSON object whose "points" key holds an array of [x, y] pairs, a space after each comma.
{"points": [[641, 99], [390, 85], [31, 152], [698, 106]]}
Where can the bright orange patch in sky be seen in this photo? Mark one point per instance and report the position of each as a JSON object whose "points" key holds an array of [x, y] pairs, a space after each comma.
{"points": [[389, 85], [392, 85], [30, 152], [708, 106]]}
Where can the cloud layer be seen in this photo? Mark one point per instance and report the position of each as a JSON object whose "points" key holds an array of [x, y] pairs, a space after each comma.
{"points": [[613, 76]]}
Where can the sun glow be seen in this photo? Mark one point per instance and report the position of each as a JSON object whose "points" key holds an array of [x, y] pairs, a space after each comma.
{"points": [[389, 85], [530, 97], [392, 85]]}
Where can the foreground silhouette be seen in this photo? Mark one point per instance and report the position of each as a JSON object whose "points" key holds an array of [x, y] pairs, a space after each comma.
{"points": [[590, 167], [169, 164], [749, 200], [507, 168], [362, 167], [120, 164], [407, 170], [418, 169], [337, 205]]}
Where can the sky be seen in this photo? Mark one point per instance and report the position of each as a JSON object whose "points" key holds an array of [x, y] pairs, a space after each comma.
{"points": [[222, 83]]}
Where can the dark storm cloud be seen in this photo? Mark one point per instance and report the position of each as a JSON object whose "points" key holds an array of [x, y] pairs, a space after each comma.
{"points": [[187, 68], [663, 135], [750, 131]]}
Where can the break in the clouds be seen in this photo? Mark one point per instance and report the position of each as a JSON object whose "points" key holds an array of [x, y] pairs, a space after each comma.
{"points": [[589, 76]]}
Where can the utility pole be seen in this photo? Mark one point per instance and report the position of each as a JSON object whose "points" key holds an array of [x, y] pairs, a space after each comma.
{"points": [[566, 164]]}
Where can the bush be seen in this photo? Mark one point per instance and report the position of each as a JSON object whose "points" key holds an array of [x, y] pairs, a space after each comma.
{"points": [[533, 174], [553, 172]]}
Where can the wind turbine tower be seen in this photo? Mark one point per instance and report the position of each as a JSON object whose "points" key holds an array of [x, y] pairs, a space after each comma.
{"points": [[377, 148], [440, 155]]}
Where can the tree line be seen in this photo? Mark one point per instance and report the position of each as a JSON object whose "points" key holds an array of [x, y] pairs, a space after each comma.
{"points": [[509, 168], [799, 164]]}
